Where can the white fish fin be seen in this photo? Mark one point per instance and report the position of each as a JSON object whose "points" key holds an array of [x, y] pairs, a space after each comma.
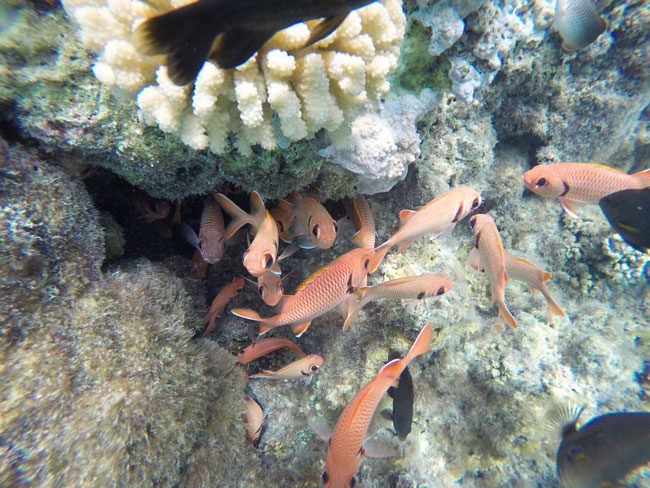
{"points": [[643, 177], [288, 251], [563, 413], [320, 428], [378, 449], [189, 235], [474, 259], [403, 245], [567, 206]]}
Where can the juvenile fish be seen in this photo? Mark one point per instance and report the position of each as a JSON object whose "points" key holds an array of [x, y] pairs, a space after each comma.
{"points": [[270, 285], [628, 212], [227, 293], [402, 395], [321, 292], [263, 347], [407, 288], [584, 183], [437, 217], [578, 23], [604, 450], [361, 216], [253, 421], [521, 270], [210, 242], [346, 444], [313, 226], [301, 368], [492, 259], [230, 32]]}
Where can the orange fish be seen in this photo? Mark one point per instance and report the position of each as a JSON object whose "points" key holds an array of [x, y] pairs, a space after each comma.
{"points": [[407, 288], [437, 217], [284, 216], [270, 285], [363, 221], [227, 293], [263, 251], [324, 290], [253, 421], [304, 367], [264, 346], [521, 270], [347, 442], [210, 242], [492, 259], [584, 183], [313, 226]]}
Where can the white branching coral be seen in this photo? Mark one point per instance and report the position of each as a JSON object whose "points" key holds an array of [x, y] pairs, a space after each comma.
{"points": [[284, 93]]}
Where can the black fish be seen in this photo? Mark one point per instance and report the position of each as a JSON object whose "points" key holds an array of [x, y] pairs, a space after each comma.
{"points": [[229, 32], [402, 396], [628, 212], [604, 450]]}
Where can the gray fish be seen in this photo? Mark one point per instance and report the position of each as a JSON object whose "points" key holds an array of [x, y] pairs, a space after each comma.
{"points": [[578, 23], [604, 450], [229, 32], [628, 212], [402, 396]]}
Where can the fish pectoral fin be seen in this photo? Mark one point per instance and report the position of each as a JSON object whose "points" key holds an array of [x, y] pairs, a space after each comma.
{"points": [[237, 45], [403, 245], [567, 206], [377, 449], [300, 329], [321, 429], [288, 251], [325, 28], [405, 215], [387, 414]]}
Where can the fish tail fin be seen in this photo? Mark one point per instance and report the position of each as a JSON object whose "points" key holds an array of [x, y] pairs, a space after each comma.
{"points": [[186, 47], [239, 217], [505, 315], [643, 177], [212, 325], [257, 206], [422, 344], [378, 257], [247, 314]]}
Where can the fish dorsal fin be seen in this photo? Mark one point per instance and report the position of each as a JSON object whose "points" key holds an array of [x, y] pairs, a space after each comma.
{"points": [[436, 200], [522, 260], [294, 199], [312, 277], [405, 215], [285, 206], [257, 205], [397, 282]]}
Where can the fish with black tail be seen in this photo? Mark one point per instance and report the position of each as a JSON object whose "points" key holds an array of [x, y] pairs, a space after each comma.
{"points": [[628, 212], [604, 450], [230, 32], [402, 395]]}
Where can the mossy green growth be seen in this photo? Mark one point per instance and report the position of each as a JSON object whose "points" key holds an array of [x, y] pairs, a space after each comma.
{"points": [[113, 236], [417, 69]]}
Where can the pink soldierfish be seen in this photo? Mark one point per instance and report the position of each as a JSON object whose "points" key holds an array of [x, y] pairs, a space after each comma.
{"points": [[437, 217], [270, 285], [313, 226], [584, 183], [492, 259], [253, 421], [264, 346], [346, 445], [521, 270], [407, 288], [361, 216], [321, 292], [227, 293], [301, 368], [210, 242]]}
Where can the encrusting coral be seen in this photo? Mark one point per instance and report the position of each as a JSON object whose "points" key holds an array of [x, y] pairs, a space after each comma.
{"points": [[319, 87]]}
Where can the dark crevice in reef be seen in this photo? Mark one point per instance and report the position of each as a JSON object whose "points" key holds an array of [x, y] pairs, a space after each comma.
{"points": [[527, 142]]}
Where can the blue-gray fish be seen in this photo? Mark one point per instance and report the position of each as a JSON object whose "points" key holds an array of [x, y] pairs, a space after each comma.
{"points": [[604, 450], [578, 23], [229, 32]]}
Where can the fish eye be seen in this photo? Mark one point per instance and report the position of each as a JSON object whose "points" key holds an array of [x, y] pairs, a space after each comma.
{"points": [[366, 263], [573, 453], [472, 222], [541, 183], [325, 477], [353, 482], [269, 261], [313, 368], [476, 203], [315, 230], [441, 290], [241, 351]]}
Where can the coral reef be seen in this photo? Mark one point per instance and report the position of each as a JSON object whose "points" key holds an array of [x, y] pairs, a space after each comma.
{"points": [[355, 61]]}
